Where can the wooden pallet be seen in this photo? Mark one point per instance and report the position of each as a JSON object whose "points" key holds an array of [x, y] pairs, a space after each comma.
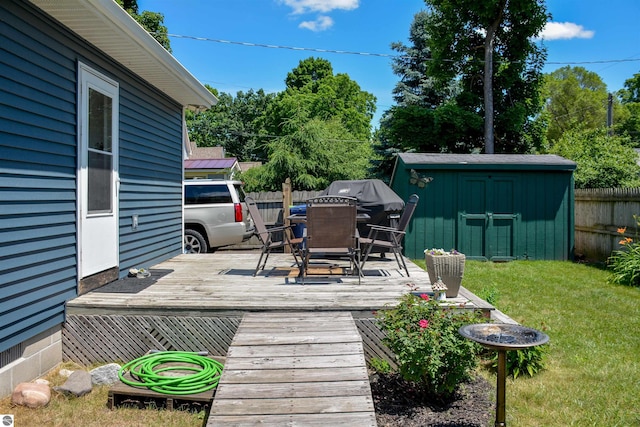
{"points": [[124, 395], [121, 394]]}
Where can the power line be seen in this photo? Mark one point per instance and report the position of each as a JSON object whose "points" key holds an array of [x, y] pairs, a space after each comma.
{"points": [[383, 55], [271, 46]]}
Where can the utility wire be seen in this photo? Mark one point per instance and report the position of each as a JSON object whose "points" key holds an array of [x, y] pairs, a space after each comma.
{"points": [[271, 46], [385, 55]]}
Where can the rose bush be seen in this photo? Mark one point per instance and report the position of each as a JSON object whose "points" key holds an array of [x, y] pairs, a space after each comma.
{"points": [[430, 352]]}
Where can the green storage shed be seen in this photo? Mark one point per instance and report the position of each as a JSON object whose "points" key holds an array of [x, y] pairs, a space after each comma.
{"points": [[495, 207]]}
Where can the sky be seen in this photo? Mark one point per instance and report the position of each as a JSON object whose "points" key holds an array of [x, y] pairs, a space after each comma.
{"points": [[221, 41]]}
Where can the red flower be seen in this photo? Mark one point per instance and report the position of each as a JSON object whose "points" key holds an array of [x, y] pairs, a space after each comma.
{"points": [[424, 297], [622, 230], [424, 323]]}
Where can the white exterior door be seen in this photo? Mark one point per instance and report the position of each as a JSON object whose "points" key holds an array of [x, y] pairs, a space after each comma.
{"points": [[97, 172]]}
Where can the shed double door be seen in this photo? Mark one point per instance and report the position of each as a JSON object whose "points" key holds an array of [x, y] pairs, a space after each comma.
{"points": [[487, 217]]}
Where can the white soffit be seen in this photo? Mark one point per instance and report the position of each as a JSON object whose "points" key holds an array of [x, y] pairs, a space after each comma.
{"points": [[107, 26]]}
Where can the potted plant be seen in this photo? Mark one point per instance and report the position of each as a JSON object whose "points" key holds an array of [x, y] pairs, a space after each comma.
{"points": [[446, 265]]}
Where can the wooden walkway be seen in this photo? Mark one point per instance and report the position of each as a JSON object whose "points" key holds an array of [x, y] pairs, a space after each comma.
{"points": [[294, 369]]}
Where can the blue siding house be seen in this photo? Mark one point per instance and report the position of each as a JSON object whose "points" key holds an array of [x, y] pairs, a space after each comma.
{"points": [[91, 154]]}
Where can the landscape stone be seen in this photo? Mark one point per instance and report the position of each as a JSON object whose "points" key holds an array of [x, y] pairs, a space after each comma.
{"points": [[79, 384], [105, 374], [65, 373], [31, 395]]}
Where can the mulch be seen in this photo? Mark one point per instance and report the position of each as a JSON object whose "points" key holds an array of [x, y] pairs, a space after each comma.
{"points": [[397, 405]]}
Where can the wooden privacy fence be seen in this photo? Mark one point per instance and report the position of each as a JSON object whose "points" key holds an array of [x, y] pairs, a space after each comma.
{"points": [[271, 208], [599, 212]]}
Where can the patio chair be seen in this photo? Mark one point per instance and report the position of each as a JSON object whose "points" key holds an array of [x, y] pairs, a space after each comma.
{"points": [[390, 238], [273, 237], [332, 230]]}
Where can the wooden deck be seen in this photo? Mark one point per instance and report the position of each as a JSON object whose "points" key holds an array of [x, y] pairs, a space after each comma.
{"points": [[296, 368], [222, 284], [196, 303]]}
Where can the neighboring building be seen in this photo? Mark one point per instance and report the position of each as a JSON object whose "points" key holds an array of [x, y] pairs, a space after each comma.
{"points": [[209, 163], [245, 166], [92, 141], [225, 168]]}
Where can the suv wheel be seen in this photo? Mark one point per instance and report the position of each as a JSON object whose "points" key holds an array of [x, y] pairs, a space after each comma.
{"points": [[194, 243]]}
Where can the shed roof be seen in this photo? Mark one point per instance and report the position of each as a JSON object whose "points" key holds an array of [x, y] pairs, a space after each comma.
{"points": [[488, 161], [226, 163], [108, 27]]}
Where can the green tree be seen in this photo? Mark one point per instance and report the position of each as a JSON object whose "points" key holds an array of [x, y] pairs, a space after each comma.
{"points": [[313, 153], [416, 86], [409, 126], [471, 75], [235, 123], [602, 161], [309, 72], [631, 125], [487, 46], [630, 98], [313, 88], [576, 99], [631, 91], [150, 21]]}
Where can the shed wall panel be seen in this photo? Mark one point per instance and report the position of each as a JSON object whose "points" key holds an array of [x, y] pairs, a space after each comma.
{"points": [[541, 200]]}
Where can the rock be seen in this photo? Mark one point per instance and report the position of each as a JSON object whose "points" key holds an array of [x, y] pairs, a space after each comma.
{"points": [[31, 395], [105, 374], [41, 381], [65, 373], [79, 384]]}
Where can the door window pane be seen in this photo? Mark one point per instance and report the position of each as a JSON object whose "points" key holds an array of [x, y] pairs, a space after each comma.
{"points": [[99, 121], [100, 159], [99, 176]]}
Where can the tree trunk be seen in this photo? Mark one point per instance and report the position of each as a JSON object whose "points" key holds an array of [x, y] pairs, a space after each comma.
{"points": [[488, 91], [488, 79]]}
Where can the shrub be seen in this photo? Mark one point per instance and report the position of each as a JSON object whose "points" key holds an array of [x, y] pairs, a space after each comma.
{"points": [[380, 365], [424, 338], [528, 361], [625, 263], [603, 161]]}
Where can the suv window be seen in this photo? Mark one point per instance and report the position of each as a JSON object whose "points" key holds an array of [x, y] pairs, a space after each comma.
{"points": [[240, 192], [206, 194]]}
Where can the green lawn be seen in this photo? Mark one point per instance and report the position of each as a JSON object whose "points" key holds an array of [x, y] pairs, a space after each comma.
{"points": [[593, 364]]}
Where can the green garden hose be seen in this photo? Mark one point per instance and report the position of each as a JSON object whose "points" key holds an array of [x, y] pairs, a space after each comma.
{"points": [[154, 372]]}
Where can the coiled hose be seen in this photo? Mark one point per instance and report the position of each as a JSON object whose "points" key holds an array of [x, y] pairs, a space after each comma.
{"points": [[152, 371]]}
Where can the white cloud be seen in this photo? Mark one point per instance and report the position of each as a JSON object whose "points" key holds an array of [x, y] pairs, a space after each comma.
{"points": [[564, 30], [322, 6], [320, 24]]}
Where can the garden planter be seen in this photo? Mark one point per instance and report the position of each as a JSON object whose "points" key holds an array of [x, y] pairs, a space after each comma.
{"points": [[449, 268]]}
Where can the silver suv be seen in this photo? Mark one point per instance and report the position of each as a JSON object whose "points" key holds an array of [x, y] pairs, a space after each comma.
{"points": [[215, 215]]}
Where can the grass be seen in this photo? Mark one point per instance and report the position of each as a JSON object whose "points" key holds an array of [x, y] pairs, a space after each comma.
{"points": [[91, 410], [593, 363]]}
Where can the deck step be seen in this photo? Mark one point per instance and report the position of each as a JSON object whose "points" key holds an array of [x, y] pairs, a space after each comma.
{"points": [[294, 369]]}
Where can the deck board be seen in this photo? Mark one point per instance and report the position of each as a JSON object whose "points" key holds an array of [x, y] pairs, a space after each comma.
{"points": [[294, 369], [223, 282]]}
